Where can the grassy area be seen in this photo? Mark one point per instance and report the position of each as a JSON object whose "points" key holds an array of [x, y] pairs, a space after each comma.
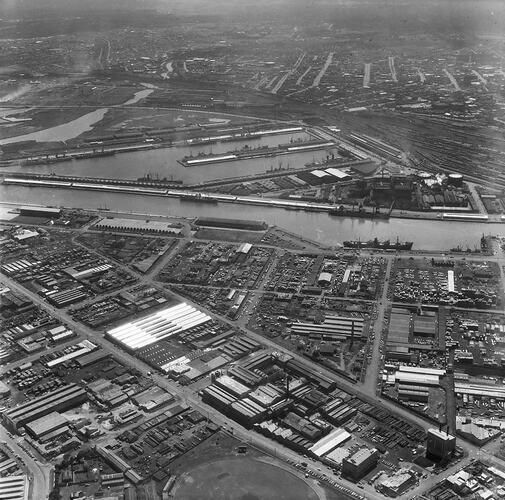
{"points": [[241, 478]]}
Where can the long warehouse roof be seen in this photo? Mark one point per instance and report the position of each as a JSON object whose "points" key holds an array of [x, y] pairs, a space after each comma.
{"points": [[157, 326]]}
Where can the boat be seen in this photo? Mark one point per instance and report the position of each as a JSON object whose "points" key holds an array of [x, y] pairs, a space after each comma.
{"points": [[380, 245], [197, 197], [363, 214]]}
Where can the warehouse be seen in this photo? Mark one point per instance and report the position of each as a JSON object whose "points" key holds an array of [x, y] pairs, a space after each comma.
{"points": [[413, 393], [14, 488], [360, 463], [396, 484], [43, 426], [332, 328], [87, 271], [424, 371], [399, 326], [480, 391], [325, 383], [330, 442], [60, 399], [232, 386], [49, 212], [82, 348], [324, 279], [425, 326], [142, 226], [92, 358], [5, 391], [244, 248], [417, 378], [157, 326], [65, 298]]}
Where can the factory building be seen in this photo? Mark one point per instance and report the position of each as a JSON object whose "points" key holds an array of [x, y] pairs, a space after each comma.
{"points": [[333, 328], [14, 488], [324, 279], [48, 425], [134, 225], [396, 484], [157, 326], [440, 445], [63, 298], [330, 442], [48, 212], [5, 391], [360, 463], [60, 399], [301, 369]]}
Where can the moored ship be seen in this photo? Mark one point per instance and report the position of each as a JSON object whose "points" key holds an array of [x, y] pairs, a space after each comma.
{"points": [[380, 245]]}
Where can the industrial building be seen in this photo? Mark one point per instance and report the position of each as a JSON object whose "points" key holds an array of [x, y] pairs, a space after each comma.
{"points": [[5, 391], [333, 328], [396, 484], [138, 226], [327, 444], [60, 399], [162, 324], [48, 212], [63, 298], [440, 445], [46, 425], [14, 488], [360, 463]]}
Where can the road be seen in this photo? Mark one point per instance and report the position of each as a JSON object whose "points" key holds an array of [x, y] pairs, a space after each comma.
{"points": [[319, 76], [453, 80], [392, 69], [302, 76], [366, 76], [40, 474], [372, 372]]}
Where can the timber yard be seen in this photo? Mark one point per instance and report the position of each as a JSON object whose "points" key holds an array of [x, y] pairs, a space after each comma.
{"points": [[252, 258]]}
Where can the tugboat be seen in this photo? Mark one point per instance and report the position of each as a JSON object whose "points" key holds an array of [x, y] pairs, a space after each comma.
{"points": [[380, 245]]}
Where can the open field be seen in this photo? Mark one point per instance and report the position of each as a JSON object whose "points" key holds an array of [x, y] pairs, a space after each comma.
{"points": [[241, 478]]}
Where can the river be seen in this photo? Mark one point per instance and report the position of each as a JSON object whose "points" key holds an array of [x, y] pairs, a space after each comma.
{"points": [[163, 162], [318, 226], [73, 128], [62, 132]]}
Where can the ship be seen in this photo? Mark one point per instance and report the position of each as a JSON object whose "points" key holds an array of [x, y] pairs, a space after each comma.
{"points": [[197, 197], [76, 155], [345, 212], [380, 245]]}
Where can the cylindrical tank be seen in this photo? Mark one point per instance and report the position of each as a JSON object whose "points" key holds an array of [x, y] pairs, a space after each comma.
{"points": [[455, 180]]}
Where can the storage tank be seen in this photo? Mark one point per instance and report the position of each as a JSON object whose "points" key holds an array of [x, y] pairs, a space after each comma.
{"points": [[455, 180]]}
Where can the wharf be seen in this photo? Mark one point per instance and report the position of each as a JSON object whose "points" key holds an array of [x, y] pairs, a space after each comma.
{"points": [[247, 153]]}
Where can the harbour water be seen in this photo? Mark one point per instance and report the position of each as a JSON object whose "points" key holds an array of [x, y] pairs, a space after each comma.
{"points": [[321, 227], [164, 161]]}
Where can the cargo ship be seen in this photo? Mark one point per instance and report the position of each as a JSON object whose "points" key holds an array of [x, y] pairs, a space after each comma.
{"points": [[345, 212], [380, 245], [44, 160], [198, 198]]}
